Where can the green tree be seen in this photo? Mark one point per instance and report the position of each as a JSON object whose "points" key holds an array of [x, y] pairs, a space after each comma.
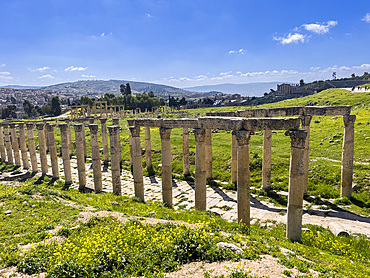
{"points": [[122, 89], [301, 83], [128, 89], [56, 110]]}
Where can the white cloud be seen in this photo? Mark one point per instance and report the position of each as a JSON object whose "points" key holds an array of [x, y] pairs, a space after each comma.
{"points": [[314, 68], [148, 15], [46, 76], [292, 38], [3, 65], [363, 66], [72, 68], [40, 69], [105, 34], [240, 51], [366, 18], [88, 76], [320, 28], [5, 73]]}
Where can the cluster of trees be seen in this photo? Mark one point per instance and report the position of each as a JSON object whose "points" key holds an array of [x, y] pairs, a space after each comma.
{"points": [[176, 102]]}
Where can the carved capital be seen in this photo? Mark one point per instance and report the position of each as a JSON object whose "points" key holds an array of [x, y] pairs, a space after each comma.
{"points": [[40, 126], [113, 130], [30, 126], [93, 128], [66, 121], [349, 120], [21, 125], [115, 121], [12, 125], [297, 138], [63, 127], [103, 121], [242, 136], [50, 127], [199, 134], [5, 125], [135, 131], [165, 133], [305, 120], [77, 127]]}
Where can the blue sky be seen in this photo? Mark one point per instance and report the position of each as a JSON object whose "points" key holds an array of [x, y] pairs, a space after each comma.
{"points": [[182, 42]]}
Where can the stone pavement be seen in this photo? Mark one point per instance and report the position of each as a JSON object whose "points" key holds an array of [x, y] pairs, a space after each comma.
{"points": [[221, 201]]}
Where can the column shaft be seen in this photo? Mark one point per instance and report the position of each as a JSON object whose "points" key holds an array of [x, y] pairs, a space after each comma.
{"points": [[42, 148], [266, 160], [306, 120], [148, 148], [115, 153], [234, 160], [95, 155], [80, 154], [32, 148], [65, 154], [2, 145], [200, 169], [296, 183], [69, 136], [137, 163], [53, 150], [23, 145], [347, 155], [8, 145], [185, 152], [208, 150], [243, 182], [104, 141], [17, 158], [166, 165]]}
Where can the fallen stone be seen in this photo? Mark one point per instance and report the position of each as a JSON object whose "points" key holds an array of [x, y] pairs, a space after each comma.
{"points": [[230, 246], [8, 212]]}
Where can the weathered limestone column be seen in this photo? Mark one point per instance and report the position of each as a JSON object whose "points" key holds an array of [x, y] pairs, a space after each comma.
{"points": [[296, 183], [95, 155], [115, 153], [106, 110], [347, 155], [137, 164], [104, 140], [130, 146], [200, 169], [88, 111], [208, 146], [234, 160], [2, 145], [243, 191], [185, 152], [91, 120], [31, 146], [46, 136], [53, 150], [80, 154], [65, 154], [115, 121], [166, 165], [8, 145], [148, 148], [94, 109], [266, 160], [69, 136], [17, 158], [306, 120], [23, 145], [42, 148]]}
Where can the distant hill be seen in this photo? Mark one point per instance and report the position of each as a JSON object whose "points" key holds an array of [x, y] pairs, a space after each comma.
{"points": [[248, 89], [99, 87], [20, 87]]}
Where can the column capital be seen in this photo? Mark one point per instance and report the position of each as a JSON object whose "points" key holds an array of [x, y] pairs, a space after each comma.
{"points": [[135, 131], [115, 121], [50, 127], [12, 125], [242, 136], [63, 127], [30, 125], [93, 128], [21, 125], [165, 133], [40, 126], [4, 124], [113, 129], [66, 120], [77, 127], [103, 120], [305, 120], [349, 120], [297, 137], [199, 134]]}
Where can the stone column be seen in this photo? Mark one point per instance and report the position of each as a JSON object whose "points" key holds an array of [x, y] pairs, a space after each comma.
{"points": [[80, 154], [91, 120], [65, 154], [82, 122], [42, 148], [32, 148], [88, 111], [200, 169], [104, 140], [94, 109], [296, 183], [115, 121], [243, 181], [17, 158], [46, 136], [23, 145], [130, 146], [208, 146], [2, 145], [95, 155], [137, 163], [53, 150], [115, 154], [8, 145], [306, 120], [266, 160], [166, 165], [69, 136], [148, 148], [347, 155], [234, 160], [185, 152], [106, 110]]}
